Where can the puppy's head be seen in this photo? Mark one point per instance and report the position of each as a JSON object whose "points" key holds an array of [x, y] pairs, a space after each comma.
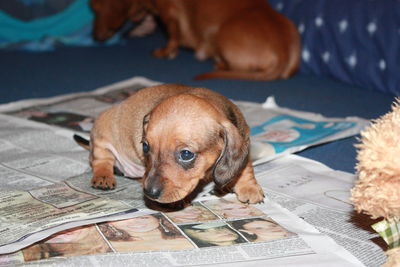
{"points": [[110, 15], [185, 140]]}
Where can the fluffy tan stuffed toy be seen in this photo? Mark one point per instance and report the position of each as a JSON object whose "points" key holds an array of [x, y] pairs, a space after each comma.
{"points": [[377, 191]]}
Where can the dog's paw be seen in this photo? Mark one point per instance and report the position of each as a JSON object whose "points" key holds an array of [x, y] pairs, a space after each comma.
{"points": [[221, 65], [165, 53], [104, 182], [250, 194]]}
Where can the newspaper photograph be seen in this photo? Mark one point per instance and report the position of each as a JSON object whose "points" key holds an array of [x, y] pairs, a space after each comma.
{"points": [[50, 214]]}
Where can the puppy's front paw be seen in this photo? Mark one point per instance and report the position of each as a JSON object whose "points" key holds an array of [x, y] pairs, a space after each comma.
{"points": [[104, 182], [250, 193]]}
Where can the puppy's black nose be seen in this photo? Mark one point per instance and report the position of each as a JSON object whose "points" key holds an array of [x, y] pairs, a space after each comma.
{"points": [[153, 192]]}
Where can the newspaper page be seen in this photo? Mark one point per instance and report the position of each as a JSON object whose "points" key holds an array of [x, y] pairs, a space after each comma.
{"points": [[321, 197], [277, 131], [29, 216]]}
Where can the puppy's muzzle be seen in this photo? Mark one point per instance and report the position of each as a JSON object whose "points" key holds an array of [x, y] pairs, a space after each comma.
{"points": [[152, 192], [153, 187]]}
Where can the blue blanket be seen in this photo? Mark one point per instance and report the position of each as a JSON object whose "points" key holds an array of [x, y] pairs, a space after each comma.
{"points": [[38, 25], [355, 41]]}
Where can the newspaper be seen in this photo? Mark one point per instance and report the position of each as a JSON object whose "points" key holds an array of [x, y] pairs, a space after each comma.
{"points": [[228, 230], [321, 197], [45, 185], [277, 131], [218, 231]]}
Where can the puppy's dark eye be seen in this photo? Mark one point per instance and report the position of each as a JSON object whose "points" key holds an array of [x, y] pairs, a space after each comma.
{"points": [[146, 147], [186, 155]]}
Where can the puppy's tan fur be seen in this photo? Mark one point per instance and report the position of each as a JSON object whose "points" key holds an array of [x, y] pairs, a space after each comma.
{"points": [[171, 118], [248, 39]]}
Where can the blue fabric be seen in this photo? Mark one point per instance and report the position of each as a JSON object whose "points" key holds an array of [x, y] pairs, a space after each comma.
{"points": [[355, 41], [27, 10], [60, 24], [65, 23]]}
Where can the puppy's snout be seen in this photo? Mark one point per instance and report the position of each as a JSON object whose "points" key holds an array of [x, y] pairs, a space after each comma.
{"points": [[153, 188], [153, 192]]}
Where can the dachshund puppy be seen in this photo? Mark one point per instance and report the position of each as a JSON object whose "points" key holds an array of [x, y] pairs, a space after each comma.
{"points": [[174, 136], [248, 39]]}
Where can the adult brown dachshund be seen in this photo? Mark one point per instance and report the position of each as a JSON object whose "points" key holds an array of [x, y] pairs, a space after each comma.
{"points": [[174, 136], [248, 39]]}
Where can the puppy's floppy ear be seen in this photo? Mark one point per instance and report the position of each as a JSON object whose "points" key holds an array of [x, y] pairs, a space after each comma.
{"points": [[234, 155]]}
